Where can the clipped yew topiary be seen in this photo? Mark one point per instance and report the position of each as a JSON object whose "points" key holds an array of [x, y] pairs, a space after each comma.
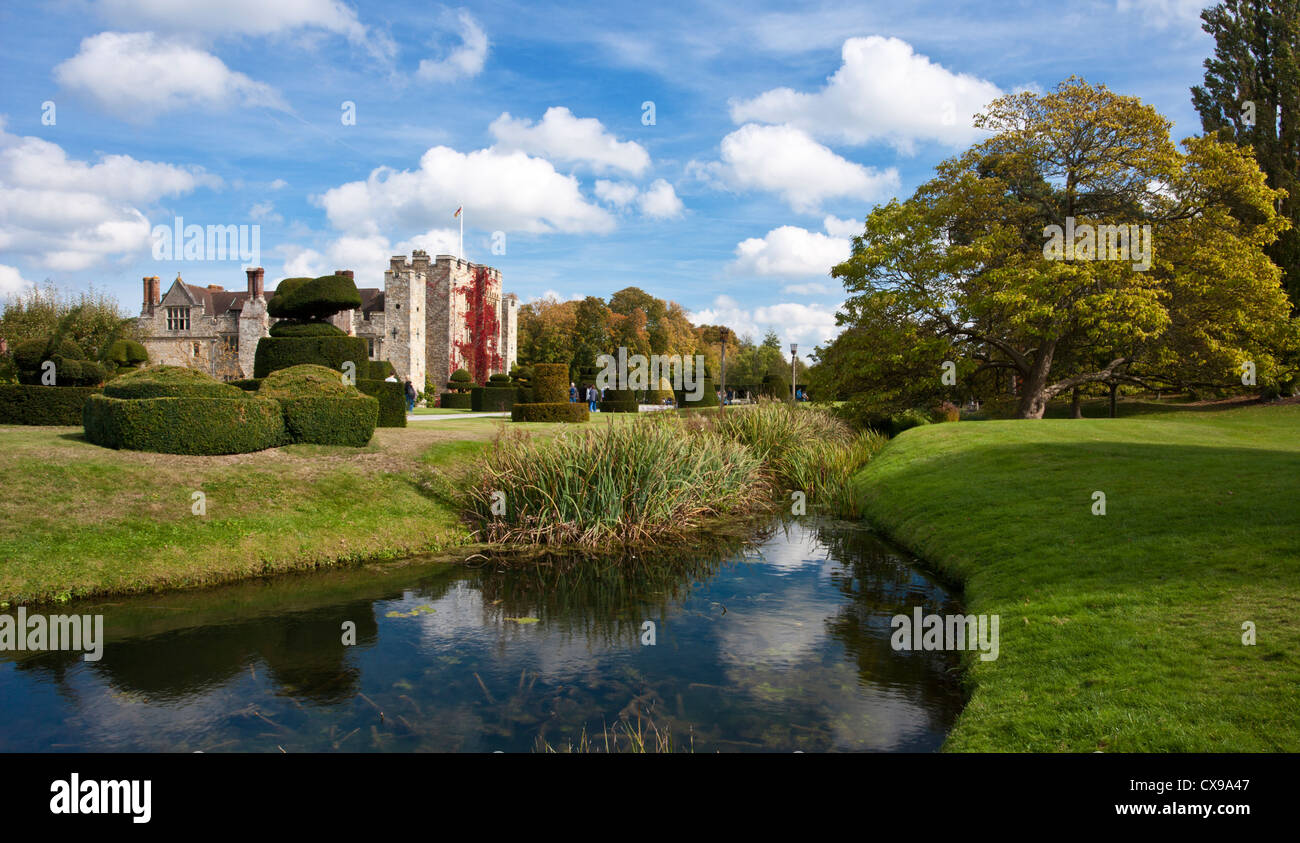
{"points": [[456, 401], [189, 425], [550, 412], [708, 395], [170, 382], [320, 408], [27, 404], [127, 354], [306, 338], [274, 353], [494, 398], [306, 329], [619, 401], [71, 368], [392, 400], [550, 382]]}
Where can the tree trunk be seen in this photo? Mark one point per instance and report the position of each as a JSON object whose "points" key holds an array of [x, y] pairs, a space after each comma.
{"points": [[1033, 396], [1114, 391], [1076, 408]]}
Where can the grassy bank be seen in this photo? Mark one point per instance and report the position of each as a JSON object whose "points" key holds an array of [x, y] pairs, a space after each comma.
{"points": [[1120, 632]]}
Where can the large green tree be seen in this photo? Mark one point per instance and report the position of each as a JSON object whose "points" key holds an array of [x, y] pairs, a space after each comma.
{"points": [[967, 266], [1251, 96]]}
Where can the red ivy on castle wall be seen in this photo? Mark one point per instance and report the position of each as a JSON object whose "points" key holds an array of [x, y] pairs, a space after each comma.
{"points": [[478, 355]]}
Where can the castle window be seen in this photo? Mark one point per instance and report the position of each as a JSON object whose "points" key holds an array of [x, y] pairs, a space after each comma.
{"points": [[178, 318], [232, 343], [370, 347]]}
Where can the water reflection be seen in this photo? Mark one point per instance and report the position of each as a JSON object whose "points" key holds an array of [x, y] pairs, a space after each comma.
{"points": [[778, 645]]}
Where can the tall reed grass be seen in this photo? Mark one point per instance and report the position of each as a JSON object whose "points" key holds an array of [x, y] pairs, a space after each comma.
{"points": [[620, 484]]}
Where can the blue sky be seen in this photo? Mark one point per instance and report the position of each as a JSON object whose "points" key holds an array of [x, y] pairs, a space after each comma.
{"points": [[775, 130]]}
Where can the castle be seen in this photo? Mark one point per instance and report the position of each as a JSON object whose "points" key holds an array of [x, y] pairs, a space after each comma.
{"points": [[430, 319]]}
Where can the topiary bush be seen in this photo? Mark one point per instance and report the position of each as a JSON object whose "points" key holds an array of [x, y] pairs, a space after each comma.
{"points": [[274, 353], [127, 354], [619, 401], [188, 425], [492, 399], [708, 396], [550, 382], [71, 368], [290, 328], [380, 370], [27, 404], [550, 412], [392, 400], [319, 408], [313, 299], [170, 382], [246, 384], [456, 401], [460, 380]]}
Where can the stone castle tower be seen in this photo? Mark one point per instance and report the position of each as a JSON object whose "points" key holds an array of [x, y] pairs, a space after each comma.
{"points": [[447, 314]]}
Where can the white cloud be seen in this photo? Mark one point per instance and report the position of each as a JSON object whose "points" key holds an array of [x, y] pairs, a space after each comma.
{"points": [[137, 76], [1160, 14], [11, 280], [789, 252], [660, 201], [463, 62], [837, 227], [279, 184], [264, 212], [560, 136], [367, 255], [506, 191], [806, 324], [785, 160], [885, 92], [71, 215], [619, 194]]}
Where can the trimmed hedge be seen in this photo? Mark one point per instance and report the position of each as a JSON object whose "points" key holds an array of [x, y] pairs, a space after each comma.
{"points": [[392, 400], [550, 412], [550, 383], [247, 384], [492, 399], [330, 420], [313, 299], [456, 401], [127, 354], [27, 404], [201, 426], [275, 353], [291, 328], [708, 399], [380, 370], [170, 382], [619, 401]]}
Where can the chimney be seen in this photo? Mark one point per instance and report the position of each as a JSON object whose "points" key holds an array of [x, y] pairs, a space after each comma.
{"points": [[216, 288], [255, 283], [345, 272], [152, 293]]}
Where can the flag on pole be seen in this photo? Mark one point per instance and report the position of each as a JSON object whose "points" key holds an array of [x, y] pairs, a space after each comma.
{"points": [[458, 210]]}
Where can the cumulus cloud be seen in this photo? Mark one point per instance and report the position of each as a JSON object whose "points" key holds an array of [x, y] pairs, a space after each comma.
{"points": [[71, 215], [11, 280], [806, 324], [367, 256], [1161, 14], [787, 161], [138, 75], [885, 92], [789, 252], [619, 194], [837, 227], [462, 62], [561, 137], [510, 191], [660, 201]]}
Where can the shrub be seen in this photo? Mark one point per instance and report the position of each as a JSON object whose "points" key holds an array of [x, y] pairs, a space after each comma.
{"points": [[392, 400], [499, 380], [313, 299], [170, 382], [380, 370], [319, 408], [550, 383], [563, 411], [71, 368], [127, 354], [455, 401], [26, 404], [492, 399], [189, 425], [947, 412], [291, 328], [274, 353], [708, 395], [627, 484], [460, 379], [246, 384], [619, 401]]}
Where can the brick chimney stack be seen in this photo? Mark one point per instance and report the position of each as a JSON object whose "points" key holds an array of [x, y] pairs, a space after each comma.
{"points": [[152, 293], [256, 289]]}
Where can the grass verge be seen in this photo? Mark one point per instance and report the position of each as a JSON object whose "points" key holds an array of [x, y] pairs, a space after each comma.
{"points": [[1120, 632]]}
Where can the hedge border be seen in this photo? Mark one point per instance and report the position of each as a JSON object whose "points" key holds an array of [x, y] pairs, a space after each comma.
{"points": [[275, 353], [43, 405], [550, 412], [198, 426], [392, 400]]}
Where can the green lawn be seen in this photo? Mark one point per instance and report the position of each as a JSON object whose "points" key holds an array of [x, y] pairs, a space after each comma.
{"points": [[1120, 632]]}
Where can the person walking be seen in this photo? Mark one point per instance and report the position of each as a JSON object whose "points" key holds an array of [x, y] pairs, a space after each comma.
{"points": [[573, 394], [410, 396]]}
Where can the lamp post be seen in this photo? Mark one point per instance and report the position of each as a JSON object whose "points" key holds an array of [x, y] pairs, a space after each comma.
{"points": [[722, 335], [794, 348]]}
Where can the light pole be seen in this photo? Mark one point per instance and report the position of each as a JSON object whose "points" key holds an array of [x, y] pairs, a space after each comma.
{"points": [[722, 334], [794, 348]]}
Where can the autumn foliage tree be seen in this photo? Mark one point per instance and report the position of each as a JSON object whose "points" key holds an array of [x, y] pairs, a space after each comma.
{"points": [[961, 270]]}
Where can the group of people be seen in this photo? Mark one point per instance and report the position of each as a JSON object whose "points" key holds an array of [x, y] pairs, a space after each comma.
{"points": [[409, 389], [587, 393]]}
